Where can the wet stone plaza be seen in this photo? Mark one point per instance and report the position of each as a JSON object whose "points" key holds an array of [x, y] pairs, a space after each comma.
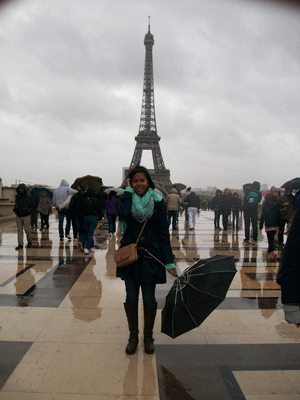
{"points": [[63, 328]]}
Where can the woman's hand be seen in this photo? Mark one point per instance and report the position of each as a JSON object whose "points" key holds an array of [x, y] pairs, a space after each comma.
{"points": [[128, 182], [173, 272]]}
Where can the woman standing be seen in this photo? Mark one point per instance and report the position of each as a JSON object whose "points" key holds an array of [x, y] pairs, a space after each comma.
{"points": [[270, 216], [236, 209], [139, 204], [44, 207], [111, 211]]}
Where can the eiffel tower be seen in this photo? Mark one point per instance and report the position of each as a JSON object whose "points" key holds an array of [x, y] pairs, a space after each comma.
{"points": [[147, 138]]}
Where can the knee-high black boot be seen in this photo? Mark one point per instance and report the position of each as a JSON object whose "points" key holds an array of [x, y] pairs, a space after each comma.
{"points": [[133, 324], [149, 319]]}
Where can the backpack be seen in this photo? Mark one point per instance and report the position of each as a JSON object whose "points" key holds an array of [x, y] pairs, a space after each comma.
{"points": [[252, 198]]}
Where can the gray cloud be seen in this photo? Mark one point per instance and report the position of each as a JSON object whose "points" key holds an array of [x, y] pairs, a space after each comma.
{"points": [[226, 78]]}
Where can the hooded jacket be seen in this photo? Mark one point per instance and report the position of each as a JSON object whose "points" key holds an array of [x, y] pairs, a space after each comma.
{"points": [[173, 201], [270, 215], [90, 204], [62, 193], [24, 203], [217, 200]]}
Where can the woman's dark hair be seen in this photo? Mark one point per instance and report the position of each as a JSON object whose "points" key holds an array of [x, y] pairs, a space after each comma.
{"points": [[111, 194], [143, 170]]}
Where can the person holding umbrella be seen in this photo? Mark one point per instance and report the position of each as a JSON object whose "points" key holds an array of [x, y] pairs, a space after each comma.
{"points": [[139, 204], [44, 207]]}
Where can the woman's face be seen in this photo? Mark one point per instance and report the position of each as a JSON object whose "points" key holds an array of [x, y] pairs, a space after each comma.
{"points": [[140, 183]]}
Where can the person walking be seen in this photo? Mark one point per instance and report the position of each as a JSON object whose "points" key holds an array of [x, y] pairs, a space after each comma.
{"points": [[286, 204], [173, 202], [185, 195], [236, 209], [225, 207], [60, 196], [216, 207], [75, 210], [111, 211], [24, 206], [139, 204], [44, 208], [193, 204], [270, 217], [92, 213]]}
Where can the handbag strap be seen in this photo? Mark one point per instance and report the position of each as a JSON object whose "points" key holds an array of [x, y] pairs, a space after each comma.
{"points": [[141, 232]]}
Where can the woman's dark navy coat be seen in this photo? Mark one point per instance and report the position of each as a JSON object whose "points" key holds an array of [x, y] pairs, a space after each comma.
{"points": [[155, 238]]}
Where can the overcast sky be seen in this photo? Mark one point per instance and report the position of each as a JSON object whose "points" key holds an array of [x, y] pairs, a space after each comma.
{"points": [[226, 88]]}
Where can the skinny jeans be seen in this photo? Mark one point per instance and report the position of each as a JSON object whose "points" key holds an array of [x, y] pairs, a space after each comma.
{"points": [[172, 214], [270, 236], [217, 218], [89, 226], [133, 290], [111, 222], [64, 213], [254, 220]]}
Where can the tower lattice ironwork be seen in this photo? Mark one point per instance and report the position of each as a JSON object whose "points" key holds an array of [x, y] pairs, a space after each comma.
{"points": [[147, 138]]}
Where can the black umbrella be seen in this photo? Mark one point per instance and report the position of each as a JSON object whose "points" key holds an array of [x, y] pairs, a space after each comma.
{"points": [[89, 181], [292, 184], [36, 191], [179, 186], [196, 293]]}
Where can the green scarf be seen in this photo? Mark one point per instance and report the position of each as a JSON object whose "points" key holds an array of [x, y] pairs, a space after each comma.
{"points": [[142, 207]]}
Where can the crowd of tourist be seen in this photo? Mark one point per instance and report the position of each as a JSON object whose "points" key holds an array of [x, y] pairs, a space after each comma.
{"points": [[82, 208]]}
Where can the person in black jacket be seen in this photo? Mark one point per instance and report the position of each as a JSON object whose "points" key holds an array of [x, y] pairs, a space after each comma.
{"points": [[216, 207], [75, 209], [193, 204], [226, 204], [139, 204], [91, 212], [289, 274], [24, 206], [236, 209], [270, 217]]}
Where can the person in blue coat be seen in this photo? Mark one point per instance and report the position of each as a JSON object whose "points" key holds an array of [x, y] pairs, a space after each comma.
{"points": [[139, 204]]}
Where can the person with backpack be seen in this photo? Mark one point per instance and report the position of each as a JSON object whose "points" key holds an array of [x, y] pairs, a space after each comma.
{"points": [[24, 206], [252, 198]]}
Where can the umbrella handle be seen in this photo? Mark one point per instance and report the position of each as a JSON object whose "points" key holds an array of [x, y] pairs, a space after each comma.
{"points": [[148, 252]]}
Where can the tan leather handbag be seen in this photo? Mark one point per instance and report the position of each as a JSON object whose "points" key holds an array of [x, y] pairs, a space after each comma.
{"points": [[128, 254]]}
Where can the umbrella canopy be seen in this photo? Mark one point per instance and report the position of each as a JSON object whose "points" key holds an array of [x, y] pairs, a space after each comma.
{"points": [[196, 293], [179, 186], [118, 190], [292, 184], [36, 191], [89, 181]]}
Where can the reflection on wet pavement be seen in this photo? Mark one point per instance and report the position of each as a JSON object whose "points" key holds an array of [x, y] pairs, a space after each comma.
{"points": [[62, 316]]}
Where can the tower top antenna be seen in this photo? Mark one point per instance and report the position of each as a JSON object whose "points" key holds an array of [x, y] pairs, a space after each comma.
{"points": [[149, 25]]}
